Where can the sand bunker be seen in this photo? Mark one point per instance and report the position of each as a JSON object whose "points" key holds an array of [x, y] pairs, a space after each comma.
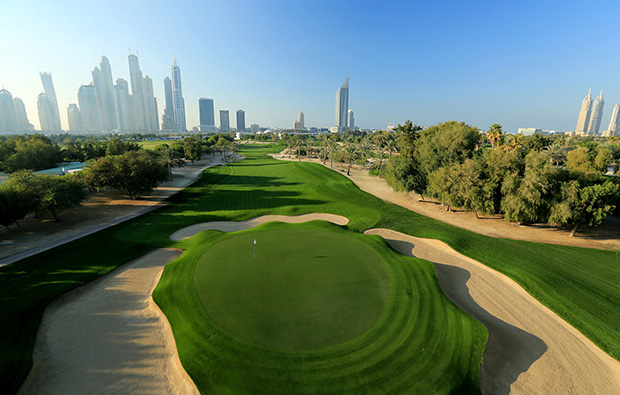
{"points": [[231, 226], [530, 350], [109, 337]]}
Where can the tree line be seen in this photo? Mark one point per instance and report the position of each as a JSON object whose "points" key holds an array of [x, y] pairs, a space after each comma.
{"points": [[113, 164], [529, 180]]}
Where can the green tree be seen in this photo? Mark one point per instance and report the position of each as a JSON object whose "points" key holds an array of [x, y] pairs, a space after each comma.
{"points": [[49, 193], [16, 202], [170, 158], [193, 148], [588, 163], [34, 152], [494, 134], [404, 174], [408, 135], [349, 154], [587, 206], [135, 173], [116, 146]]}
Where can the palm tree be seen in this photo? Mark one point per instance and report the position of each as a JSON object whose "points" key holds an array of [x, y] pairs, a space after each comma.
{"points": [[382, 156], [333, 148], [495, 134], [516, 143], [349, 154], [170, 158], [391, 146], [325, 139]]}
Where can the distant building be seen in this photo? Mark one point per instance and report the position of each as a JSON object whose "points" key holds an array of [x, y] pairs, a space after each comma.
{"points": [[224, 121], [342, 106], [8, 122], [137, 94], [177, 96], [48, 88], [597, 115], [240, 121], [207, 115], [21, 118], [168, 116], [123, 106], [254, 128], [583, 122], [73, 115], [614, 125], [47, 115], [529, 131], [150, 105], [300, 123], [108, 106], [351, 120], [87, 99]]}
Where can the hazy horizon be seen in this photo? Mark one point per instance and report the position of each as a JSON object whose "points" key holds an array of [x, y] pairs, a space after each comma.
{"points": [[522, 64]]}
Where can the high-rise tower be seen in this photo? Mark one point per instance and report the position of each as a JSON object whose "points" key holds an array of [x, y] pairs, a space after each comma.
{"points": [[123, 105], [207, 115], [614, 125], [73, 116], [89, 109], [224, 121], [168, 117], [583, 122], [300, 123], [177, 96], [240, 121], [342, 106], [597, 115], [137, 94], [8, 123], [47, 115], [350, 119], [108, 105], [23, 125], [48, 88]]}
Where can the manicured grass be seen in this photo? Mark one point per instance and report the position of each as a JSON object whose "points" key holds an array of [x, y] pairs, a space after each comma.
{"points": [[303, 289], [421, 343], [581, 285]]}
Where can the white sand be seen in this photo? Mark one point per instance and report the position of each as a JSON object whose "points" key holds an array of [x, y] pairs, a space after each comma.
{"points": [[109, 337], [530, 350], [231, 226]]}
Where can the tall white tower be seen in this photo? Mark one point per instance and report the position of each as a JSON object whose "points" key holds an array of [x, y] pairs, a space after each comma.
{"points": [[350, 119], [48, 87], [177, 96], [137, 94], [597, 115], [612, 130], [110, 117], [342, 106], [583, 122]]}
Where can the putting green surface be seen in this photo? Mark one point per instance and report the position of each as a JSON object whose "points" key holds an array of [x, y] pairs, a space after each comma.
{"points": [[303, 289]]}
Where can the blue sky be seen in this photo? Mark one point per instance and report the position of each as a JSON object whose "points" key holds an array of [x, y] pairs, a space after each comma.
{"points": [[520, 64]]}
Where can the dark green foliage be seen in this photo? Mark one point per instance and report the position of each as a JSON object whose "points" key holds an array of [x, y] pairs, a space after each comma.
{"points": [[116, 146], [446, 143], [35, 152], [135, 173], [193, 148]]}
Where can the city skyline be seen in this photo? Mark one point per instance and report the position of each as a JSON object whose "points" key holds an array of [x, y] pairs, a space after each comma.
{"points": [[513, 64]]}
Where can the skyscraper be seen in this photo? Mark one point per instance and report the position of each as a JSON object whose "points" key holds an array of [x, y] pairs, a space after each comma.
{"points": [[47, 115], [597, 115], [240, 121], [98, 84], [207, 115], [177, 96], [137, 94], [150, 105], [583, 122], [614, 125], [123, 105], [48, 88], [168, 117], [300, 123], [224, 121], [21, 118], [109, 117], [73, 115], [89, 109], [350, 119], [342, 106], [8, 123]]}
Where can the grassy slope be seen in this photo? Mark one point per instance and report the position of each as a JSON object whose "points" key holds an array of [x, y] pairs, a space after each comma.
{"points": [[579, 284], [422, 343]]}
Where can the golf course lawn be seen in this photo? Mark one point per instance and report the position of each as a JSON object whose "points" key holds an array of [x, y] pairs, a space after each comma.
{"points": [[579, 284], [302, 289], [344, 313]]}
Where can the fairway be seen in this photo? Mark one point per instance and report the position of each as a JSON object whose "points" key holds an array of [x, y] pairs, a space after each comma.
{"points": [[304, 289]]}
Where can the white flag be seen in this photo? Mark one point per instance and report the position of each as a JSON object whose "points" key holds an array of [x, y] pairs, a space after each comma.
{"points": [[254, 241]]}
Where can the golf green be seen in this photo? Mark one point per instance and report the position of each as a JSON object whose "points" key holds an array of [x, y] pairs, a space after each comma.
{"points": [[296, 289]]}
